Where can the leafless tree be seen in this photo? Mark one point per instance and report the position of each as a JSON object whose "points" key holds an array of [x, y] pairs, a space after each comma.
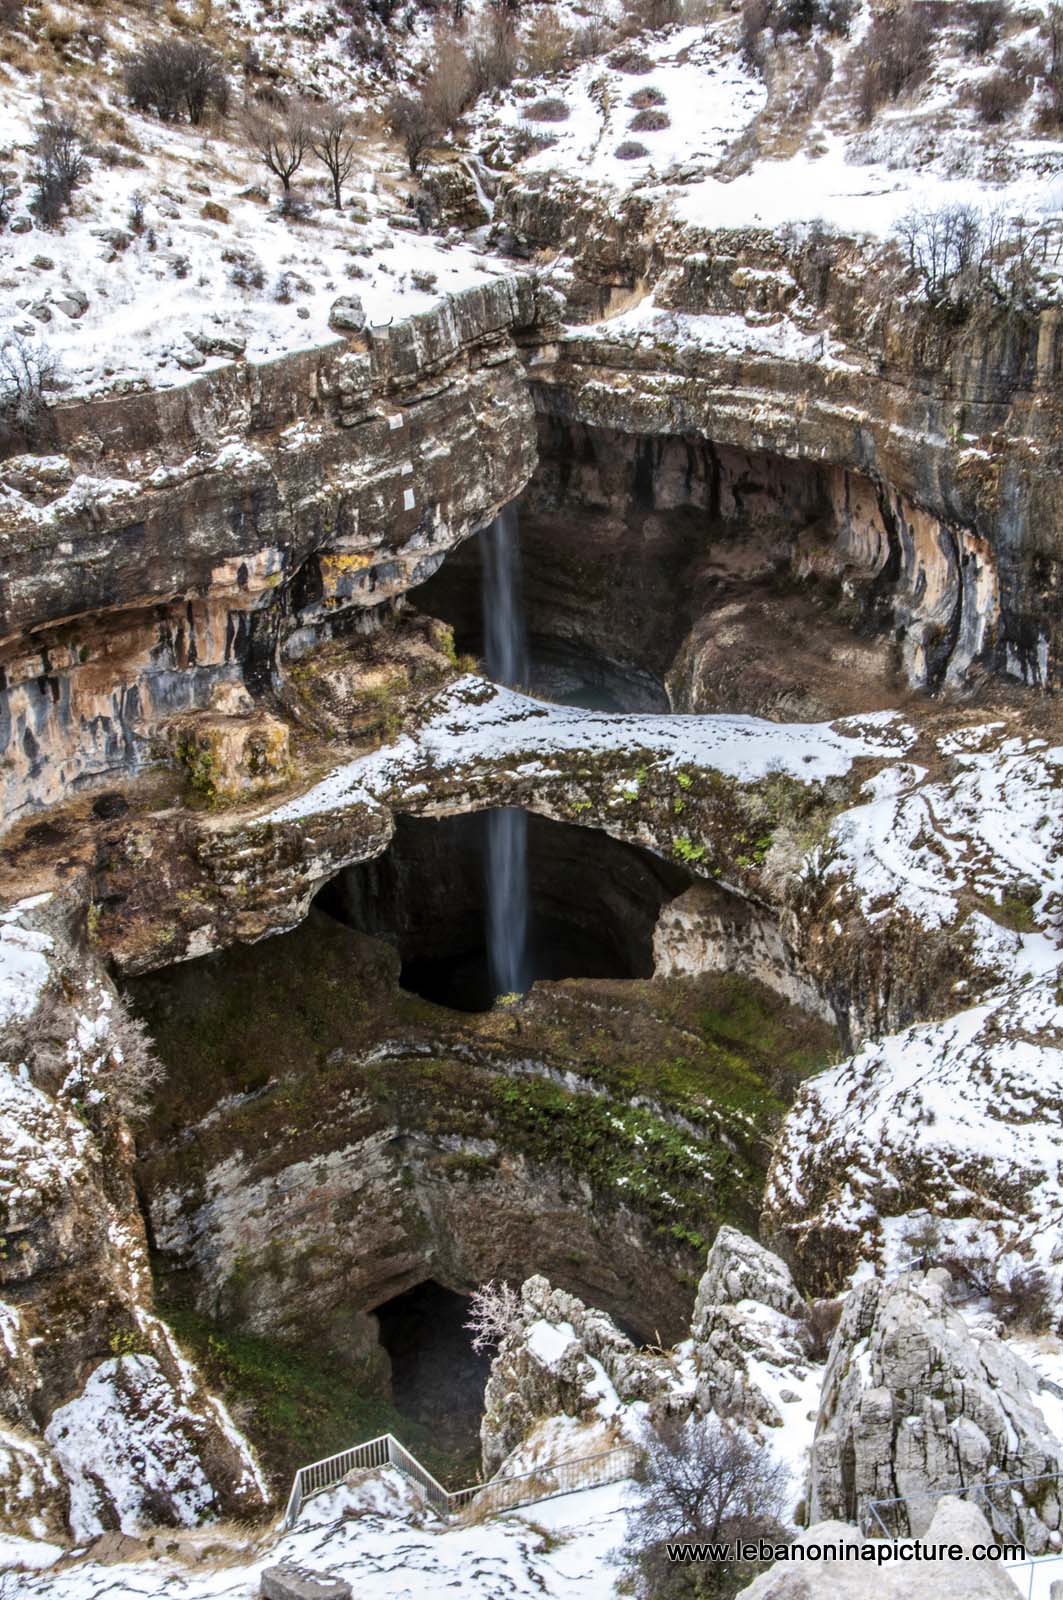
{"points": [[59, 164], [333, 141], [450, 85], [175, 76], [281, 139], [702, 1479], [416, 124], [986, 20], [494, 1312], [27, 371]]}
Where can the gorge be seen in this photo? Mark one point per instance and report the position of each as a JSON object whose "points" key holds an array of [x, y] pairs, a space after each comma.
{"points": [[549, 782]]}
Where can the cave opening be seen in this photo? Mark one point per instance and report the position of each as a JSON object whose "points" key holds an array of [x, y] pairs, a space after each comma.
{"points": [[594, 904], [437, 1378]]}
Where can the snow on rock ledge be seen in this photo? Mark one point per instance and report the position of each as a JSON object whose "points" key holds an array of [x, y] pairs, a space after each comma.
{"points": [[961, 1118]]}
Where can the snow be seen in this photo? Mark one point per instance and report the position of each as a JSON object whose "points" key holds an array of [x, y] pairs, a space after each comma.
{"points": [[971, 1104], [474, 723], [709, 98], [375, 1537], [548, 1342], [126, 1432], [24, 952]]}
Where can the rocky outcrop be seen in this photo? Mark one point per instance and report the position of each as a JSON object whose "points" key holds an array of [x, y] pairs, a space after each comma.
{"points": [[87, 1366], [179, 540], [915, 1403], [708, 930], [833, 1576], [956, 1119], [563, 1359]]}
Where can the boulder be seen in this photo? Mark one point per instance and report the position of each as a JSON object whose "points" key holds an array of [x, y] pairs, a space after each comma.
{"points": [[347, 314], [288, 1582], [916, 1403], [74, 302], [956, 1522], [216, 343]]}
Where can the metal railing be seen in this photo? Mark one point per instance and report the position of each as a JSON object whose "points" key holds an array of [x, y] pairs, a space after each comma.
{"points": [[479, 1499], [1001, 1501]]}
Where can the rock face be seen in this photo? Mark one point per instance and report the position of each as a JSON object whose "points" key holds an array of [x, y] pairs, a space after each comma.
{"points": [[958, 1119], [708, 930], [915, 1404], [91, 1439], [945, 443], [288, 1582], [179, 540], [955, 1522]]}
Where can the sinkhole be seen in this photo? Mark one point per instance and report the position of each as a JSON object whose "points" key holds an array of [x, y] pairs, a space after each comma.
{"points": [[437, 1378], [593, 905]]}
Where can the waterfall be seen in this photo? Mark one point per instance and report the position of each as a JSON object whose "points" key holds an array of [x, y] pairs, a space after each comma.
{"points": [[507, 828]]}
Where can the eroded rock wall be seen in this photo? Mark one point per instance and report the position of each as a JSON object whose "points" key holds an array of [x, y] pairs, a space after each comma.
{"points": [[176, 541]]}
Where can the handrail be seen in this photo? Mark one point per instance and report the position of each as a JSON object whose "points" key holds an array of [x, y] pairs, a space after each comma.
{"points": [[501, 1493]]}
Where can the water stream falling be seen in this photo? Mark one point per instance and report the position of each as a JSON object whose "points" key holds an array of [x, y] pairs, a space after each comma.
{"points": [[506, 651]]}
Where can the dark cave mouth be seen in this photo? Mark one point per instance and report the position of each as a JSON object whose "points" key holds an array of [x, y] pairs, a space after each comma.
{"points": [[437, 1378], [593, 905]]}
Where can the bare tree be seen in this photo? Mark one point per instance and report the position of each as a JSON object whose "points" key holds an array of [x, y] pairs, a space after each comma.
{"points": [[172, 76], [494, 1312], [280, 139], [59, 164], [334, 143], [986, 20], [27, 371], [450, 84], [702, 1479], [416, 124]]}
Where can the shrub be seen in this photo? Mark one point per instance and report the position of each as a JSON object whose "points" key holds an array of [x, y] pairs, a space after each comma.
{"points": [[893, 58], [997, 96], [27, 372], [552, 109], [643, 99], [986, 20], [630, 150], [649, 122], [642, 14], [817, 1330], [634, 62], [495, 1311], [705, 1480], [59, 165], [1025, 1300], [246, 273], [175, 77]]}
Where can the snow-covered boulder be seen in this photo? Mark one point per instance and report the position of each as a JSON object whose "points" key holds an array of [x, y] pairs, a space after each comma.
{"points": [[563, 1359], [916, 1403], [955, 1523], [135, 1450]]}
